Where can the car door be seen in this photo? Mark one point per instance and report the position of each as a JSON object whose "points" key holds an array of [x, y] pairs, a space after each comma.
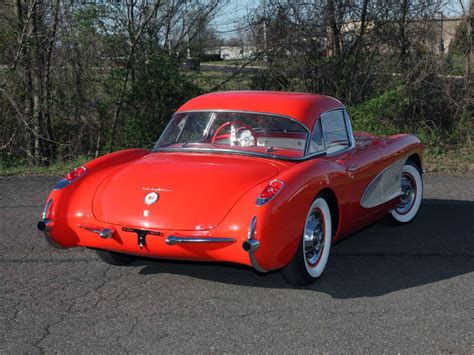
{"points": [[359, 158]]}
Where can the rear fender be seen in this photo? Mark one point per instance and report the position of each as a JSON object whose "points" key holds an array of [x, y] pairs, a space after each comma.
{"points": [[75, 200], [280, 222]]}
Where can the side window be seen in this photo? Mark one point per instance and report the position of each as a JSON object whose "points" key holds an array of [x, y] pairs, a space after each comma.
{"points": [[335, 131], [316, 143]]}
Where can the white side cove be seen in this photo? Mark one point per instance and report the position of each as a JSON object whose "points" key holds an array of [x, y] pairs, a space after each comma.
{"points": [[385, 187]]}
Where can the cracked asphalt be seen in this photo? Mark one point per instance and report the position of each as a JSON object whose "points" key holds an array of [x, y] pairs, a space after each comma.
{"points": [[396, 289]]}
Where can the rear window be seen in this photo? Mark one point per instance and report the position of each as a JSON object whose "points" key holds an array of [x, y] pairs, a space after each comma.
{"points": [[242, 132]]}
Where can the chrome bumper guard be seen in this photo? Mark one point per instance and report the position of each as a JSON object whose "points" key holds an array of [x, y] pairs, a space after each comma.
{"points": [[251, 245]]}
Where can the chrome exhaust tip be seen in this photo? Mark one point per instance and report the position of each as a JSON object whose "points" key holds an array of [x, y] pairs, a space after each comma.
{"points": [[45, 225], [251, 245]]}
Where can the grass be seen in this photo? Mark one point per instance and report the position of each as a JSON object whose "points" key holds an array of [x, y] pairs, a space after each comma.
{"points": [[210, 79], [235, 62], [58, 168], [454, 162]]}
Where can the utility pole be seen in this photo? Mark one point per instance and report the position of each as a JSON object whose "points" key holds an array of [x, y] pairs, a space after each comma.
{"points": [[469, 57], [441, 41], [186, 28], [265, 30], [470, 28]]}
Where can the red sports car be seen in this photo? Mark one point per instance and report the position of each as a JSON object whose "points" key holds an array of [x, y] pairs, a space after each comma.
{"points": [[265, 179]]}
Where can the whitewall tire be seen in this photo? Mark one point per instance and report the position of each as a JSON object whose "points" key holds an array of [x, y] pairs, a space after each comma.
{"points": [[312, 255], [412, 194]]}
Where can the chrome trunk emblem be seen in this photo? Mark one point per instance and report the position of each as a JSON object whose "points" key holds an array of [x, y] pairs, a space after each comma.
{"points": [[151, 198]]}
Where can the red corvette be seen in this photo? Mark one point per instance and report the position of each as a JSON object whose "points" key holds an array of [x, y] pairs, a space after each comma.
{"points": [[264, 179]]}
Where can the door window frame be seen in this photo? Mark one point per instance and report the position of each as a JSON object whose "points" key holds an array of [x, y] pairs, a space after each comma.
{"points": [[350, 134]]}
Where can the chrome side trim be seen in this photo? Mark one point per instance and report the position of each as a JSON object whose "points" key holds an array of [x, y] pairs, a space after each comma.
{"points": [[251, 245], [173, 240], [385, 186]]}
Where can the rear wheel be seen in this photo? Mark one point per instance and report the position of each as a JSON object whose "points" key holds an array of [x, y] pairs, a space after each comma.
{"points": [[113, 258], [312, 255], [412, 194]]}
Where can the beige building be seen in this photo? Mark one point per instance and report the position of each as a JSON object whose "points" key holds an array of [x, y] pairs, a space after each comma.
{"points": [[441, 32], [444, 30]]}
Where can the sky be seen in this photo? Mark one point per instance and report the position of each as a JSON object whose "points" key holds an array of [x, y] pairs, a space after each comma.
{"points": [[228, 20]]}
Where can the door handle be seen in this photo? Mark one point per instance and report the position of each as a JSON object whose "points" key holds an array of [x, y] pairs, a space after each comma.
{"points": [[351, 168]]}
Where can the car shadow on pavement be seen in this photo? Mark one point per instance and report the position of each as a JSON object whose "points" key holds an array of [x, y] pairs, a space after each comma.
{"points": [[437, 245]]}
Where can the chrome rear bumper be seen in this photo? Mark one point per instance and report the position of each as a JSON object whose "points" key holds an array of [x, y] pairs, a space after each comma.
{"points": [[251, 245]]}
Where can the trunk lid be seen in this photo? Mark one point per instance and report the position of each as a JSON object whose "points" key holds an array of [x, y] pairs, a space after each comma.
{"points": [[195, 191]]}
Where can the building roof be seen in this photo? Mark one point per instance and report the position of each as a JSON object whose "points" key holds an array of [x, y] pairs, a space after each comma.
{"points": [[305, 108]]}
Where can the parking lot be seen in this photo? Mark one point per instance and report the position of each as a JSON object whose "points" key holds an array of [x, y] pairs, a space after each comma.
{"points": [[388, 288]]}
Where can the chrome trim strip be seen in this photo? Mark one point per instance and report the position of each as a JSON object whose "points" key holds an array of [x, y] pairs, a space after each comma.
{"points": [[253, 226], [235, 152], [253, 244], [349, 129], [375, 194], [173, 240]]}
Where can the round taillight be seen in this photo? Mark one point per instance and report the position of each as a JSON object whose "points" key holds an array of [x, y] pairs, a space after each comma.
{"points": [[270, 191]]}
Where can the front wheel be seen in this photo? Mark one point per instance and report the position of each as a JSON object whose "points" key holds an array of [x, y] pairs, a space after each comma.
{"points": [[312, 255], [116, 259], [412, 194]]}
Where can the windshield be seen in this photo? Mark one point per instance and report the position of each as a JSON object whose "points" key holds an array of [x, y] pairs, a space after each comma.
{"points": [[243, 132]]}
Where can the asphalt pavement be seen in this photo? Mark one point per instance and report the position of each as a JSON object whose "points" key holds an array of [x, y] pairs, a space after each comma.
{"points": [[395, 289]]}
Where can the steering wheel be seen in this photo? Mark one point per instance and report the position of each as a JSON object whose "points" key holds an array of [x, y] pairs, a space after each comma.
{"points": [[228, 123]]}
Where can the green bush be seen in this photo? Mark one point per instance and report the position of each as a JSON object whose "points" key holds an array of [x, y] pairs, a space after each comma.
{"points": [[380, 115], [159, 88], [420, 110]]}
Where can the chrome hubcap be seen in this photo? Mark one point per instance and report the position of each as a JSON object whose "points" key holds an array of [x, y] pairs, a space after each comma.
{"points": [[407, 198], [314, 238]]}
